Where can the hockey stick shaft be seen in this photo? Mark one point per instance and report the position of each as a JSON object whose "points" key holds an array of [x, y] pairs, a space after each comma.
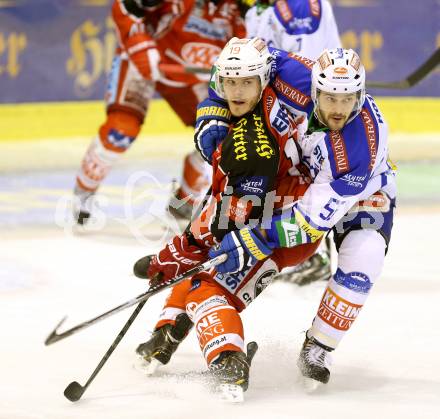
{"points": [[74, 390], [429, 65], [55, 336], [183, 69]]}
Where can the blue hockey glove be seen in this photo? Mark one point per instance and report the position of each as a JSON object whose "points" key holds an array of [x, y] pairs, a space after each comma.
{"points": [[212, 125], [244, 248]]}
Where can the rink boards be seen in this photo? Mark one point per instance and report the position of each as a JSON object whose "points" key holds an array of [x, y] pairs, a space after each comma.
{"points": [[75, 119]]}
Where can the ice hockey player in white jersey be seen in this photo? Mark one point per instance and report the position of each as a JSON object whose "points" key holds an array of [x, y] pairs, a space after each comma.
{"points": [[305, 27], [353, 193]]}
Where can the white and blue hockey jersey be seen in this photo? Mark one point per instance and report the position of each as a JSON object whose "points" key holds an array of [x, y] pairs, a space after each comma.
{"points": [[346, 166]]}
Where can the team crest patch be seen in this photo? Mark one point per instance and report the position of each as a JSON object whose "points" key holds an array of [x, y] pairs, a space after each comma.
{"points": [[199, 53], [354, 281]]}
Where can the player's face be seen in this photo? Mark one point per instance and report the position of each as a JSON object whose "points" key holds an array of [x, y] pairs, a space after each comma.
{"points": [[335, 108], [242, 93]]}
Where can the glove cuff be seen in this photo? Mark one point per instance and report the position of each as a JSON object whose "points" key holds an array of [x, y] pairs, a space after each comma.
{"points": [[255, 243]]}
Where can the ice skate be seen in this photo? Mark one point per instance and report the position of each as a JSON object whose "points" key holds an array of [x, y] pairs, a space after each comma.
{"points": [[157, 351], [82, 205], [314, 362], [230, 371]]}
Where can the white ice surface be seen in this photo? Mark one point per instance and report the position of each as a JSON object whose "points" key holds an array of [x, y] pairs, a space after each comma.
{"points": [[388, 365]]}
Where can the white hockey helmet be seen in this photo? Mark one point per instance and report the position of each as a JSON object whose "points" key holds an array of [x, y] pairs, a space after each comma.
{"points": [[243, 58], [339, 71]]}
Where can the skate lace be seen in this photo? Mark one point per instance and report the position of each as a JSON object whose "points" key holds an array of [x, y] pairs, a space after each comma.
{"points": [[315, 355], [230, 366]]}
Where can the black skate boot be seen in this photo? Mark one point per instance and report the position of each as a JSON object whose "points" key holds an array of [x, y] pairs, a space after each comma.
{"points": [[314, 362], [230, 371], [163, 343]]}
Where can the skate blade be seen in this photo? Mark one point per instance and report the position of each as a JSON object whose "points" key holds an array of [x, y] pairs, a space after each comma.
{"points": [[147, 368], [310, 385], [231, 393]]}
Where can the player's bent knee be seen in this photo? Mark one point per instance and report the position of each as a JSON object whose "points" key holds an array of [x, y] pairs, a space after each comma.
{"points": [[362, 251]]}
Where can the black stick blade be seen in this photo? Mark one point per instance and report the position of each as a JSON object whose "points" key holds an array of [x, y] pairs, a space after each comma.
{"points": [[74, 391], [54, 337], [252, 348]]}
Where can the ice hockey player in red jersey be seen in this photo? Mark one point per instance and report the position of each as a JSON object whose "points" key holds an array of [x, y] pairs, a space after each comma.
{"points": [[153, 32], [257, 161]]}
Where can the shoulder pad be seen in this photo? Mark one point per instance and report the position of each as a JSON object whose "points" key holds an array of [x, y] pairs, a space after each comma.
{"points": [[292, 82]]}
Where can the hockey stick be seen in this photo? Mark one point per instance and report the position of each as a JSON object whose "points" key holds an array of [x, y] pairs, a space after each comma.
{"points": [[74, 390], [55, 336], [183, 69], [429, 65]]}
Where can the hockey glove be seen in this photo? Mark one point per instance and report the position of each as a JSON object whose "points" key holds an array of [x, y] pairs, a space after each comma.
{"points": [[212, 126], [244, 248], [145, 56], [175, 258]]}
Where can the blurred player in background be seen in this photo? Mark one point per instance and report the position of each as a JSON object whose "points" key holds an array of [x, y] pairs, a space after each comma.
{"points": [[305, 27], [150, 33]]}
